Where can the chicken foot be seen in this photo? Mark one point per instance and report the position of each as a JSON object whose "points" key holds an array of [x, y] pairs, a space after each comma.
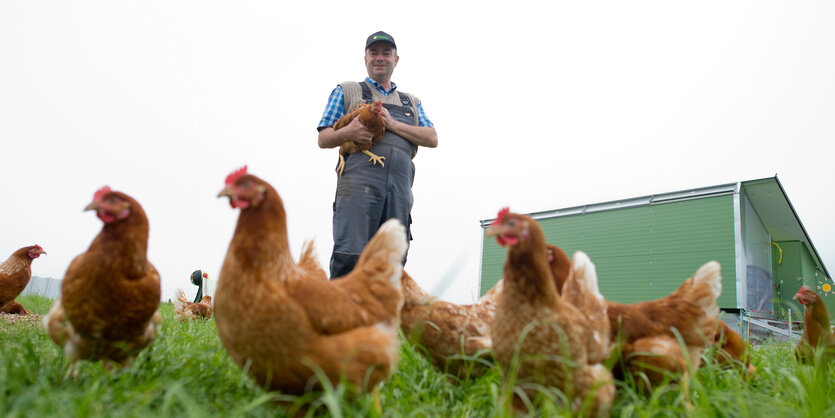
{"points": [[374, 160]]}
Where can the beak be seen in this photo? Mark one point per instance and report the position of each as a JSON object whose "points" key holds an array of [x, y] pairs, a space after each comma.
{"points": [[227, 191], [796, 296], [92, 206]]}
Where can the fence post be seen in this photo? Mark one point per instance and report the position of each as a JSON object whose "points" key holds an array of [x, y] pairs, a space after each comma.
{"points": [[749, 328]]}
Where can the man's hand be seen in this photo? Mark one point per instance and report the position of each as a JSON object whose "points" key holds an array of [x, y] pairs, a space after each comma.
{"points": [[423, 136], [357, 132], [353, 131], [387, 117]]}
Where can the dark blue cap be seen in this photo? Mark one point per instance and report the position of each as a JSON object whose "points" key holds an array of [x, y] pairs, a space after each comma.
{"points": [[380, 37]]}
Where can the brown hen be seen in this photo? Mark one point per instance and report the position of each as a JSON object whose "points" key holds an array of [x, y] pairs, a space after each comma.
{"points": [[370, 117], [454, 338], [16, 272], [554, 342], [111, 292], [293, 323], [817, 333], [732, 350], [646, 331], [13, 307], [185, 309]]}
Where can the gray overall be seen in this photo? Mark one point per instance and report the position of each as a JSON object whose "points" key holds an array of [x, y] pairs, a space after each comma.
{"points": [[368, 195]]}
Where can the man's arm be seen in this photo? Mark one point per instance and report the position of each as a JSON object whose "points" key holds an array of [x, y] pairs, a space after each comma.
{"points": [[424, 136]]}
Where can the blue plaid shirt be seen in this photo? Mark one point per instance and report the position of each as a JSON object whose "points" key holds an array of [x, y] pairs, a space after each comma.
{"points": [[336, 106]]}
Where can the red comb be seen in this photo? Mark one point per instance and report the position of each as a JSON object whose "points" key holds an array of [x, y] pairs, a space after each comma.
{"points": [[502, 213], [101, 192], [233, 176]]}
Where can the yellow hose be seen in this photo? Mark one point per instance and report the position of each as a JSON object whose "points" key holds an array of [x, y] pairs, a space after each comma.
{"points": [[780, 260]]}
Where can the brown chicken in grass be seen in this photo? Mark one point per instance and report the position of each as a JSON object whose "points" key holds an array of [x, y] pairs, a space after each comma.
{"points": [[296, 322], [369, 115], [817, 333], [556, 343], [185, 309], [645, 335], [111, 292], [454, 338], [732, 350], [15, 274], [14, 308]]}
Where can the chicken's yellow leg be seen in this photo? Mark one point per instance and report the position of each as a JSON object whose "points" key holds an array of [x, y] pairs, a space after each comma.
{"points": [[341, 165], [375, 158]]}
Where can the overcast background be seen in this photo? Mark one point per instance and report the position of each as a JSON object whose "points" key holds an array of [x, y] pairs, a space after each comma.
{"points": [[538, 105]]}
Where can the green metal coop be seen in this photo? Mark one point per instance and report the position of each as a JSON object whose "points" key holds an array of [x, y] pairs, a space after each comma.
{"points": [[646, 246]]}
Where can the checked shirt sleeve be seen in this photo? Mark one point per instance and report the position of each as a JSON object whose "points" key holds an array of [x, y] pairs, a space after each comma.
{"points": [[422, 119], [334, 110]]}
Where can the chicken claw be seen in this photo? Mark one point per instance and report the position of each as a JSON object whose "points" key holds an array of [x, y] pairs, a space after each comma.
{"points": [[374, 158], [341, 166]]}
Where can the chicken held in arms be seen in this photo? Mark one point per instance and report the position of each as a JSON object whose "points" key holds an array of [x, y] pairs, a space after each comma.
{"points": [[556, 343], [817, 333], [185, 309], [281, 321], [15, 274], [370, 117], [111, 292]]}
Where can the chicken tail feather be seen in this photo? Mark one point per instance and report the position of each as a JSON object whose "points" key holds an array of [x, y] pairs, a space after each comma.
{"points": [[388, 246], [709, 275], [581, 290], [583, 276], [702, 290], [180, 301], [705, 288]]}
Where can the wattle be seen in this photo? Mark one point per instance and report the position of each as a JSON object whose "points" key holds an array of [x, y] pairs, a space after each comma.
{"points": [[106, 217], [241, 203], [511, 240]]}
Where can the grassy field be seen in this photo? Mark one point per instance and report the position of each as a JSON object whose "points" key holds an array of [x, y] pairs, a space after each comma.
{"points": [[187, 373]]}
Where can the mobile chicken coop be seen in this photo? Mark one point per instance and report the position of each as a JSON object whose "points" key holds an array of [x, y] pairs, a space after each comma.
{"points": [[645, 247]]}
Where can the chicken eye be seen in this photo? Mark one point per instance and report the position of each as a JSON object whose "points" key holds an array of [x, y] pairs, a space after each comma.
{"points": [[111, 200], [511, 222]]}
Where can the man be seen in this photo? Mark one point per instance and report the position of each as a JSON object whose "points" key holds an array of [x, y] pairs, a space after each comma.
{"points": [[367, 195]]}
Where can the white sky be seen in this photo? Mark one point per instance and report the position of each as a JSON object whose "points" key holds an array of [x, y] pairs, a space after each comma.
{"points": [[537, 106]]}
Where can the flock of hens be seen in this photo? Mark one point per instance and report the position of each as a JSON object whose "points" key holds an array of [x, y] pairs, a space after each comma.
{"points": [[545, 324]]}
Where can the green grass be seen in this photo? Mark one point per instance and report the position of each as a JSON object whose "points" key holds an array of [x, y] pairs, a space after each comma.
{"points": [[187, 373]]}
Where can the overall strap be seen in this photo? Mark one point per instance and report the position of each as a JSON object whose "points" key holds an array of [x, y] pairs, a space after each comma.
{"points": [[366, 95], [404, 99], [366, 92]]}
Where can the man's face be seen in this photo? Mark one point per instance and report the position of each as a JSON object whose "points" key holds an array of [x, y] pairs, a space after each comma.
{"points": [[380, 60]]}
